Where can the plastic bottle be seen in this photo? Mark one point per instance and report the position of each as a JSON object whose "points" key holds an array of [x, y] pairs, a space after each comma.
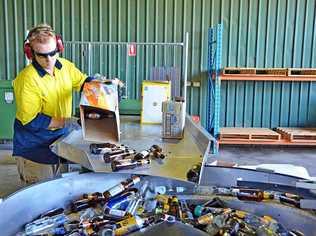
{"points": [[45, 225]]}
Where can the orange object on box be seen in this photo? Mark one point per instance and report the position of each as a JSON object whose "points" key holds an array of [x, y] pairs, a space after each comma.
{"points": [[99, 112]]}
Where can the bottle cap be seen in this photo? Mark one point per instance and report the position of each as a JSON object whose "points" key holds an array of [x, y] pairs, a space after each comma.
{"points": [[198, 210]]}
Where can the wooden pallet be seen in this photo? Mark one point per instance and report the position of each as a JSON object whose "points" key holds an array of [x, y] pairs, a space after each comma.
{"points": [[270, 143], [248, 134], [306, 72], [255, 71], [239, 71], [295, 134]]}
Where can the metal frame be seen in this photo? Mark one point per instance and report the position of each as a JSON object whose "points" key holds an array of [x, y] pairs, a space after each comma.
{"points": [[193, 148], [184, 45], [214, 83]]}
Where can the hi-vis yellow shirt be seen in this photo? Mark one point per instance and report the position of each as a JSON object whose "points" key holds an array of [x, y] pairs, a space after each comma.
{"points": [[38, 92]]}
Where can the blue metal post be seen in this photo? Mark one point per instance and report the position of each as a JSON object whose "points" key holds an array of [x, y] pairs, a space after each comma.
{"points": [[218, 66], [209, 122], [214, 84]]}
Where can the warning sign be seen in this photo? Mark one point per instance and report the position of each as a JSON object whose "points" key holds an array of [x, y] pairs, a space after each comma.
{"points": [[131, 50]]}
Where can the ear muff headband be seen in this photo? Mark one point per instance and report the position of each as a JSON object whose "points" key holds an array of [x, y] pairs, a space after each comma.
{"points": [[59, 43], [27, 47]]}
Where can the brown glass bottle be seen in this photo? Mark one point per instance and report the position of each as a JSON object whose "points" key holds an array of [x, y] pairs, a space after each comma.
{"points": [[250, 195], [92, 196], [157, 151], [101, 149], [97, 115], [118, 154], [132, 224], [125, 164], [175, 208], [117, 189], [142, 155]]}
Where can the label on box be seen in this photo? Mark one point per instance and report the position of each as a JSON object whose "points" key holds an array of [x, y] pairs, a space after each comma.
{"points": [[102, 99], [97, 94], [173, 119]]}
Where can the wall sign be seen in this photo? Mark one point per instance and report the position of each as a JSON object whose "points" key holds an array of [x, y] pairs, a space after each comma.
{"points": [[131, 48]]}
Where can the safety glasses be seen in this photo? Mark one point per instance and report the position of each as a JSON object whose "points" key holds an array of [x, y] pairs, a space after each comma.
{"points": [[45, 55]]}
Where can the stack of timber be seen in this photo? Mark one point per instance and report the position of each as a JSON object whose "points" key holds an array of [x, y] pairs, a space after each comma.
{"points": [[233, 135], [269, 74], [255, 71], [265, 136], [308, 72], [298, 135], [281, 136]]}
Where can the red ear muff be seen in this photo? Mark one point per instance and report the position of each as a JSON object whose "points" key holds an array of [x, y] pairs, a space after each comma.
{"points": [[27, 49], [59, 43]]}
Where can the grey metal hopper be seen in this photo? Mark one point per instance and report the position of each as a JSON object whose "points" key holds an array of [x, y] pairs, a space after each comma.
{"points": [[25, 205]]}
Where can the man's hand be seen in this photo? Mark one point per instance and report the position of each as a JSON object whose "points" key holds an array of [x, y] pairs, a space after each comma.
{"points": [[72, 124], [56, 123], [99, 77]]}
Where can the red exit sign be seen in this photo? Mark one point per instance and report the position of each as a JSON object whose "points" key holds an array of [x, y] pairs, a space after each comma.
{"points": [[131, 50]]}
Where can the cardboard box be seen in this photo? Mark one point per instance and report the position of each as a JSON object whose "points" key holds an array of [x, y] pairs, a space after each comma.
{"points": [[100, 98], [153, 94], [173, 115]]}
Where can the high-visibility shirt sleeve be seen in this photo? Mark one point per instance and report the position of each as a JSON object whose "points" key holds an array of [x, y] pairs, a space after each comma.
{"points": [[28, 99], [78, 78], [87, 80]]}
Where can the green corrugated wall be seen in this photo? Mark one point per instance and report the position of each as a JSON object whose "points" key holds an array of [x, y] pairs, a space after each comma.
{"points": [[257, 33]]}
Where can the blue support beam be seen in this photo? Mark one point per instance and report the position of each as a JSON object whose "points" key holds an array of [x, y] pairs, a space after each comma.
{"points": [[215, 35]]}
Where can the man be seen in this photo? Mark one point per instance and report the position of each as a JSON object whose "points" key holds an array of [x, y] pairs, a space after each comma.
{"points": [[43, 92]]}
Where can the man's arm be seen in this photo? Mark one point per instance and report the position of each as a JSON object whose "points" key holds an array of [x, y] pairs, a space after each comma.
{"points": [[28, 106], [78, 78], [56, 123]]}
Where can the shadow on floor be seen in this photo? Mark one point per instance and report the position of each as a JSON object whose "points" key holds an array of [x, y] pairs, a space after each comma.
{"points": [[254, 155]]}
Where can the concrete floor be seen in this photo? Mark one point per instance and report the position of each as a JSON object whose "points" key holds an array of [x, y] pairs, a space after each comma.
{"points": [[9, 181], [254, 155]]}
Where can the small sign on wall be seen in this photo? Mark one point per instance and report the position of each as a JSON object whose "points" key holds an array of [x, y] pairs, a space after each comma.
{"points": [[8, 97], [131, 50]]}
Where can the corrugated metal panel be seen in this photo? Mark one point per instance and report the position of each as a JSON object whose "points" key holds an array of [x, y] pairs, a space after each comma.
{"points": [[268, 104], [260, 33], [269, 34]]}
